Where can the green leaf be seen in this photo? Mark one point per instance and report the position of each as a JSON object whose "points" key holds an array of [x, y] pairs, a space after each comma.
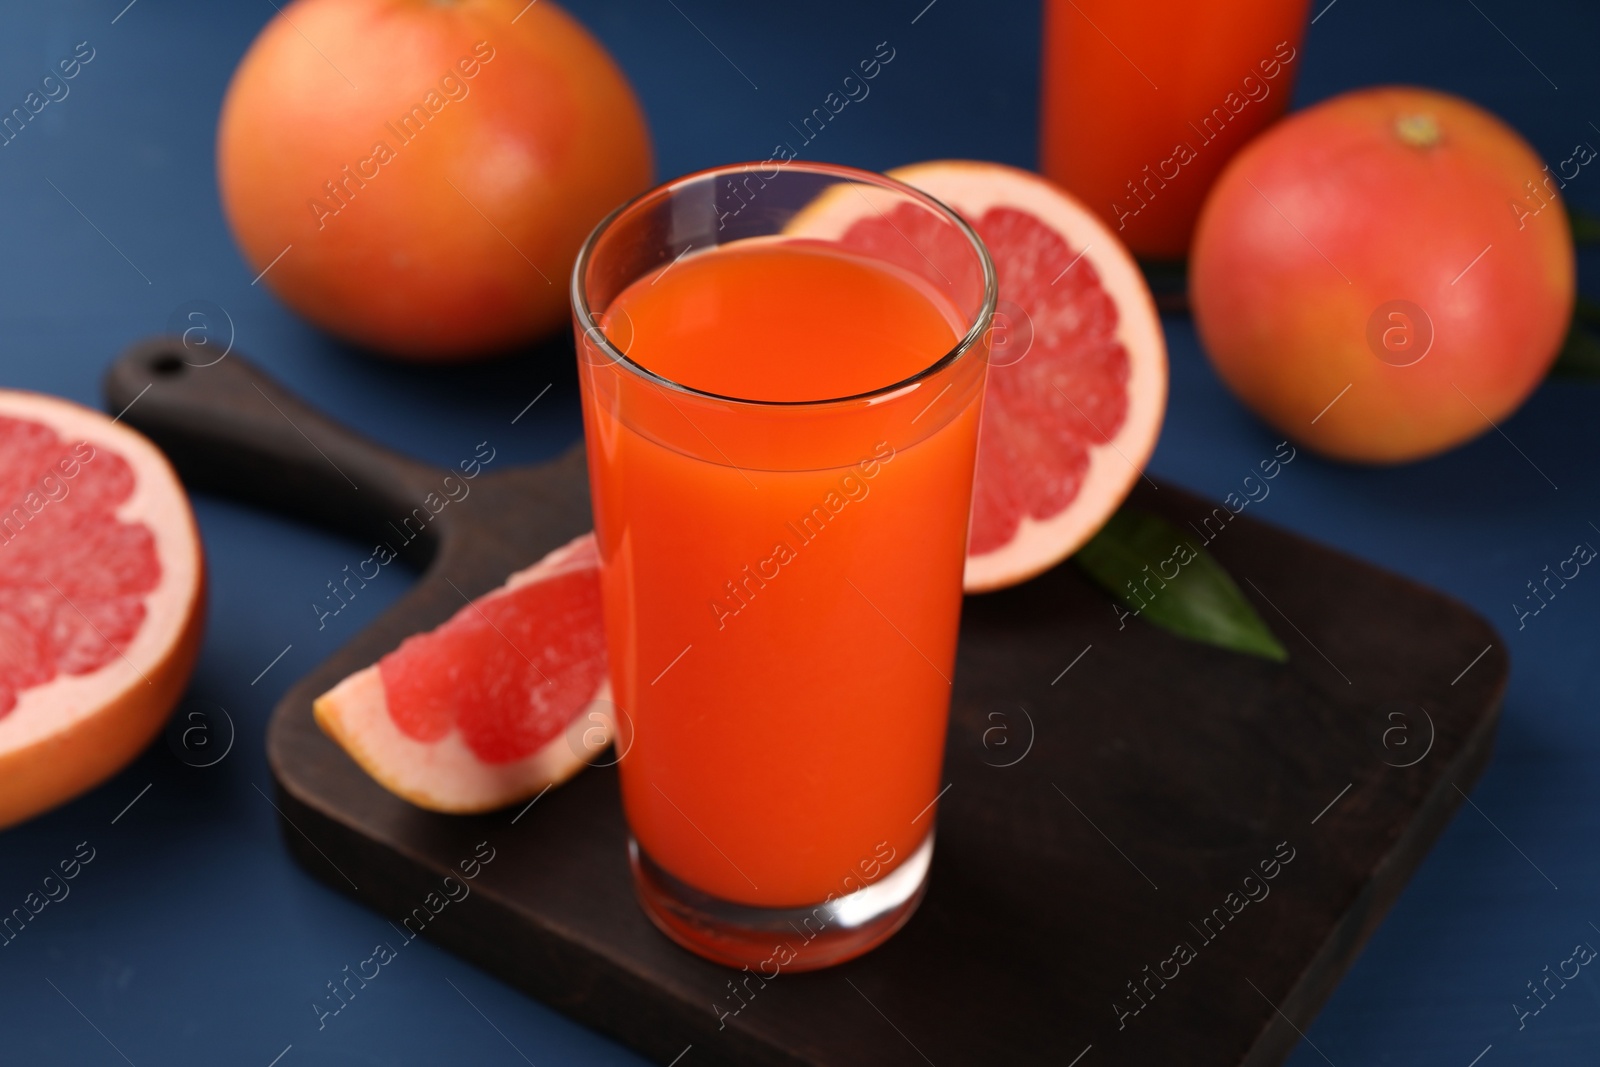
{"points": [[1131, 557], [1586, 312], [1585, 227], [1580, 355]]}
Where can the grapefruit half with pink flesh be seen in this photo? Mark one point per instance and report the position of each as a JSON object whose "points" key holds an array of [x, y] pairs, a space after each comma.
{"points": [[1078, 376], [506, 698], [102, 591]]}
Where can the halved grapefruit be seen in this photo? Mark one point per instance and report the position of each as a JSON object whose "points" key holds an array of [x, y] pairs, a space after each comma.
{"points": [[102, 592], [507, 697], [1078, 383]]}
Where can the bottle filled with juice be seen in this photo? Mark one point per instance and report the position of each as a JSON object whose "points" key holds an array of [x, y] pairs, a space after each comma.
{"points": [[1143, 103], [781, 432]]}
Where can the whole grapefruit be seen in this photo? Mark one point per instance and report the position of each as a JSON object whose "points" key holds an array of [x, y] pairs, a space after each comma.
{"points": [[416, 175], [1384, 275]]}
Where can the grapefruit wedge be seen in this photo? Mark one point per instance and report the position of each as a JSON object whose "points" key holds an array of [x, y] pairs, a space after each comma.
{"points": [[506, 698], [101, 599], [1078, 373]]}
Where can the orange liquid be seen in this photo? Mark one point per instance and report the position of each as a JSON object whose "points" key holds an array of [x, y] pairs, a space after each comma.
{"points": [[1144, 102], [782, 635]]}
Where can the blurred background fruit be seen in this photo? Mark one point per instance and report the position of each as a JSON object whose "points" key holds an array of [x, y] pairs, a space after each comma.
{"points": [[1382, 275], [416, 176], [1142, 104]]}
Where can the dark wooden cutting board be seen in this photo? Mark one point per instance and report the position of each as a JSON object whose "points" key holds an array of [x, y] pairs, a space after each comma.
{"points": [[1109, 788]]}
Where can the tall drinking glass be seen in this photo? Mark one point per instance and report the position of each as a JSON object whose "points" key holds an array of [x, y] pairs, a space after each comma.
{"points": [[782, 368]]}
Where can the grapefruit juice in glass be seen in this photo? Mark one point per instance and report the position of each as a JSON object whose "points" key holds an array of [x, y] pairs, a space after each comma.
{"points": [[781, 430], [1144, 102]]}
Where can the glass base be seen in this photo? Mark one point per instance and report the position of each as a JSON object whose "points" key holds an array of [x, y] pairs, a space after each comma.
{"points": [[772, 940]]}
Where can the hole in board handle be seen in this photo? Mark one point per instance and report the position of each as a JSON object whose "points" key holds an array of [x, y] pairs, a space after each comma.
{"points": [[167, 365]]}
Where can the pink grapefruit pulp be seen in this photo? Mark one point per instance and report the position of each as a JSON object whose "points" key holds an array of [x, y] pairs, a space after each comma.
{"points": [[101, 599]]}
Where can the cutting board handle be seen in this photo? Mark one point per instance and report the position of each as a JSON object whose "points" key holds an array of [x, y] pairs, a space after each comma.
{"points": [[231, 430]]}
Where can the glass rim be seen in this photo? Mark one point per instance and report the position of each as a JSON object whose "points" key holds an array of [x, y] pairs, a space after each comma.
{"points": [[964, 344]]}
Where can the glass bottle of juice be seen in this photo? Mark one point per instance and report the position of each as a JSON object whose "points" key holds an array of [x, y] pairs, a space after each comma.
{"points": [[1143, 103]]}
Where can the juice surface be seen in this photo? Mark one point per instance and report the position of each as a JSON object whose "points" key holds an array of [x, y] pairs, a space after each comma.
{"points": [[781, 320], [1144, 103], [782, 641]]}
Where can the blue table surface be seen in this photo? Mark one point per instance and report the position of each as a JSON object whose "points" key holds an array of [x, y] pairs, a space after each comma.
{"points": [[193, 938]]}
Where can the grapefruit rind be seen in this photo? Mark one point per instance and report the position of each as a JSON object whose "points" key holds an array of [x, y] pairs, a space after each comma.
{"points": [[972, 188], [446, 775], [69, 734]]}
